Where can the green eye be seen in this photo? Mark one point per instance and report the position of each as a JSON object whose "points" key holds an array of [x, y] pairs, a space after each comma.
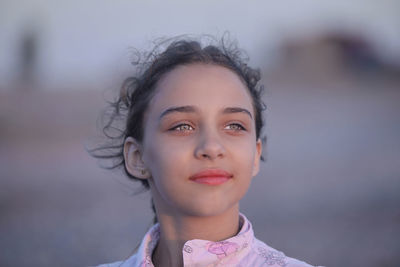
{"points": [[182, 127], [235, 127]]}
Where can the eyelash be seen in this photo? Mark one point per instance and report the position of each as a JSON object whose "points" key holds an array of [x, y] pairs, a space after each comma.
{"points": [[238, 126], [179, 127]]}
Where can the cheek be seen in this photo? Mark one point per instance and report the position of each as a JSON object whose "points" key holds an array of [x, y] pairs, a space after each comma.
{"points": [[165, 158], [246, 160], [243, 150], [169, 168]]}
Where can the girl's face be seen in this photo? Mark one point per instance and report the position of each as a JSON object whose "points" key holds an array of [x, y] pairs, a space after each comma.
{"points": [[200, 122]]}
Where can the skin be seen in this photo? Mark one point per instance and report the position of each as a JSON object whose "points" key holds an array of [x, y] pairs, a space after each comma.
{"points": [[200, 118]]}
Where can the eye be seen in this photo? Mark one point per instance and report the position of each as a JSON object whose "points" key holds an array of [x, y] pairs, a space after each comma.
{"points": [[182, 128], [235, 127]]}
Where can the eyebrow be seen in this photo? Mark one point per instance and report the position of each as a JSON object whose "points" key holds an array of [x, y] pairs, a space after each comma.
{"points": [[181, 109], [237, 110], [191, 109]]}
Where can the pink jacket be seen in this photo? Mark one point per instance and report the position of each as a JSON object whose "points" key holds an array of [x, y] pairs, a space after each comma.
{"points": [[241, 250]]}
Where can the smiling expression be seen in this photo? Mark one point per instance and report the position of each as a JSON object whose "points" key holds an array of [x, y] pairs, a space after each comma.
{"points": [[199, 141]]}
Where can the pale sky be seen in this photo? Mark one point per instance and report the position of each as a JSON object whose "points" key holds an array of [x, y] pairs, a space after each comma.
{"points": [[84, 43]]}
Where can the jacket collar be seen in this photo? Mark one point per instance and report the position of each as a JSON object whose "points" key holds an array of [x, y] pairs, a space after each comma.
{"points": [[199, 252]]}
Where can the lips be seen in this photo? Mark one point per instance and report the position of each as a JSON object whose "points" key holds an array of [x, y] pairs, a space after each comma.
{"points": [[211, 177]]}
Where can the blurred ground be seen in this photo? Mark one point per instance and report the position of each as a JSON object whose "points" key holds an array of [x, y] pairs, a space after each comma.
{"points": [[328, 193]]}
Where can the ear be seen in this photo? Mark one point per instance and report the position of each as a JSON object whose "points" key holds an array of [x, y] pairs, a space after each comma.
{"points": [[257, 157], [133, 159]]}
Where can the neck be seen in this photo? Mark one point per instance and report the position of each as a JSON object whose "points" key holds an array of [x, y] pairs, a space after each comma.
{"points": [[177, 229]]}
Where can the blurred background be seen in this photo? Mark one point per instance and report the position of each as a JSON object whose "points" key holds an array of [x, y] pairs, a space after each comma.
{"points": [[328, 192]]}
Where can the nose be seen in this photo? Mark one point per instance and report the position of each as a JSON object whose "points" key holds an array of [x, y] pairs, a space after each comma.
{"points": [[209, 146]]}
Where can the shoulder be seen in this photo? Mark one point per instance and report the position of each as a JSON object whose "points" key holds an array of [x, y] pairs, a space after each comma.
{"points": [[272, 257], [142, 255]]}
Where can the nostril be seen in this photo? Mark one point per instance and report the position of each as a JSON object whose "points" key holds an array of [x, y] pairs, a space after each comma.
{"points": [[206, 156]]}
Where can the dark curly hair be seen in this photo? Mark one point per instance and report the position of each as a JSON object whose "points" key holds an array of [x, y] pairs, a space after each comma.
{"points": [[125, 115]]}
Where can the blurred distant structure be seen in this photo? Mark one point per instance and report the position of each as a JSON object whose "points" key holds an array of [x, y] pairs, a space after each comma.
{"points": [[28, 54], [335, 52]]}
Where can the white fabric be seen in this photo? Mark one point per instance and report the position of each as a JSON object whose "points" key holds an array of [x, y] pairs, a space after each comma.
{"points": [[241, 250]]}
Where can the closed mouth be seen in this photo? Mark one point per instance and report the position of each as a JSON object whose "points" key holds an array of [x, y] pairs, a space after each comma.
{"points": [[211, 177]]}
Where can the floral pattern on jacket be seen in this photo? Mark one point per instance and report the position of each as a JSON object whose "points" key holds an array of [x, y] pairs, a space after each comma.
{"points": [[241, 250]]}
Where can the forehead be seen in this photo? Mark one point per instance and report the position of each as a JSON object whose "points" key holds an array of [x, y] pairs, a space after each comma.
{"points": [[202, 85]]}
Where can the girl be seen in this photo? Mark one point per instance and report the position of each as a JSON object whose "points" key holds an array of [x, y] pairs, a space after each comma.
{"points": [[192, 136]]}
